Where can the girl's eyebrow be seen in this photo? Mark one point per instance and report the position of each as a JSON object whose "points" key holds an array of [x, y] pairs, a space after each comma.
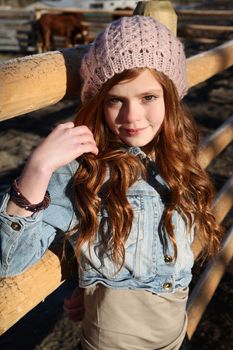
{"points": [[144, 93], [151, 92], [112, 95]]}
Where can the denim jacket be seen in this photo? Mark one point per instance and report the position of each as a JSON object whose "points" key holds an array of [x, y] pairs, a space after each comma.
{"points": [[148, 264]]}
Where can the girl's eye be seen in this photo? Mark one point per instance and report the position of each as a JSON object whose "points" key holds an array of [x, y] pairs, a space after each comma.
{"points": [[149, 98], [113, 101]]}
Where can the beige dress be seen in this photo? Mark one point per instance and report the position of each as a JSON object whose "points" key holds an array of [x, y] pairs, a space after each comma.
{"points": [[133, 319]]}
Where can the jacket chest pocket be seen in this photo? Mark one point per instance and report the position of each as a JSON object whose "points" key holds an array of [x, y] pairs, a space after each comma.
{"points": [[136, 231], [104, 264]]}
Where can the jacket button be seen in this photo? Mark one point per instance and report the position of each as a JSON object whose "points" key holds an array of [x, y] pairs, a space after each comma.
{"points": [[15, 226], [168, 258], [167, 285]]}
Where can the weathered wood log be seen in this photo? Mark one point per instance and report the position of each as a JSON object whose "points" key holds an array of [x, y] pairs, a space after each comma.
{"points": [[18, 14], [37, 81], [20, 294], [161, 10], [14, 25], [205, 13], [202, 40], [223, 201], [85, 11], [216, 143], [33, 82], [222, 205], [206, 28], [207, 284], [206, 64]]}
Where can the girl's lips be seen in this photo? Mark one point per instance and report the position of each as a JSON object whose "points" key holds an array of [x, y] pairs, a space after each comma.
{"points": [[134, 131]]}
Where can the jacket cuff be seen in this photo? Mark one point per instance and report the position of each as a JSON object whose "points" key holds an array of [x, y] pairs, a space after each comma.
{"points": [[15, 222]]}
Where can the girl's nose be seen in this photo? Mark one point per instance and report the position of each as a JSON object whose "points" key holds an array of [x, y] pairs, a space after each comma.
{"points": [[130, 112]]}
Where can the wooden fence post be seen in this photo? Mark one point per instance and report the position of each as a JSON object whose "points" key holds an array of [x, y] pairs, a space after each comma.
{"points": [[162, 10]]}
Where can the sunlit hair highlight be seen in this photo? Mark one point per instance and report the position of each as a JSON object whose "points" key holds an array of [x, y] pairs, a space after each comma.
{"points": [[175, 148]]}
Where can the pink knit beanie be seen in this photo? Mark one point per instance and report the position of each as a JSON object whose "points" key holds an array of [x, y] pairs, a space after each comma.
{"points": [[133, 42]]}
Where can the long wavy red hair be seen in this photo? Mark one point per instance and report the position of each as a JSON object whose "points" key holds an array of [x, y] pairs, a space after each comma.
{"points": [[175, 148]]}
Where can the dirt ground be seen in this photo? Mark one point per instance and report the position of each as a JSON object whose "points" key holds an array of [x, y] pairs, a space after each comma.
{"points": [[46, 327]]}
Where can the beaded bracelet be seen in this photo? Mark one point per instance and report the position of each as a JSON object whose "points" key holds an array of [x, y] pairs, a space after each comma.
{"points": [[18, 198]]}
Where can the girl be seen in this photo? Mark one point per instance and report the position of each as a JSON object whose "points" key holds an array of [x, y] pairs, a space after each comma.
{"points": [[123, 179]]}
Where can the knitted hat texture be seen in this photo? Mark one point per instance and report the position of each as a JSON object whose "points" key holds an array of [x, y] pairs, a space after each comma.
{"points": [[133, 42]]}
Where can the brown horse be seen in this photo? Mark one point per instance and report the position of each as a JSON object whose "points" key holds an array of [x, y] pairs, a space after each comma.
{"points": [[68, 25]]}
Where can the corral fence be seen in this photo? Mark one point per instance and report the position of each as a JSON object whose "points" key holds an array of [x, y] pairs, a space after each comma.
{"points": [[37, 81], [18, 30]]}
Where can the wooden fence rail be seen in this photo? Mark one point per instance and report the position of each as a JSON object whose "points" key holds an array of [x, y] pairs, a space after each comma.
{"points": [[217, 14], [17, 31], [23, 80], [226, 14], [216, 143], [207, 284]]}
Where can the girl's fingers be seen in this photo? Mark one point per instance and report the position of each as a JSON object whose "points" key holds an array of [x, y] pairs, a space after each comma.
{"points": [[67, 130], [70, 130], [64, 144], [88, 148], [82, 129], [75, 130], [83, 137], [68, 125]]}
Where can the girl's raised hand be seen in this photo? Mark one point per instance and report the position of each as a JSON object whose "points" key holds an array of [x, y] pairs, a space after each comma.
{"points": [[65, 143]]}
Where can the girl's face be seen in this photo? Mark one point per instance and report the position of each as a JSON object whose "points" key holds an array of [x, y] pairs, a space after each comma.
{"points": [[134, 109]]}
